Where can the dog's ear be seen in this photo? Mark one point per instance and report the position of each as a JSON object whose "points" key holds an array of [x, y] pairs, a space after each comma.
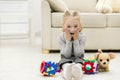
{"points": [[67, 13], [112, 55], [100, 51], [97, 54]]}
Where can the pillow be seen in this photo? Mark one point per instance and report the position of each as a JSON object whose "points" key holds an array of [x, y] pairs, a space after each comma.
{"points": [[115, 5], [58, 5]]}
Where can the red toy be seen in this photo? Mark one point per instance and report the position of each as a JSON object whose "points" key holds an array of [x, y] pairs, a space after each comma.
{"points": [[90, 66]]}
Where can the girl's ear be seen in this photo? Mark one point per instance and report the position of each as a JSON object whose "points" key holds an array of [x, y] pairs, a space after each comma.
{"points": [[80, 27]]}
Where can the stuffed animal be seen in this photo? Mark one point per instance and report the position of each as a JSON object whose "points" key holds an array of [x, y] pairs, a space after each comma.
{"points": [[104, 60], [108, 6], [90, 66]]}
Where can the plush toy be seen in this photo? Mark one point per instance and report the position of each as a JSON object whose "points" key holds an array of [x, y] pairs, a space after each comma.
{"points": [[104, 60], [48, 68], [108, 6], [90, 66]]}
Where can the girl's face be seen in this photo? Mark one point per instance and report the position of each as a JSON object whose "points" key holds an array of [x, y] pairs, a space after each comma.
{"points": [[72, 25]]}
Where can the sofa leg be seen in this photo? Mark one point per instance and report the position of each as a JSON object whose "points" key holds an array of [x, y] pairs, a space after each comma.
{"points": [[46, 51], [51, 51]]}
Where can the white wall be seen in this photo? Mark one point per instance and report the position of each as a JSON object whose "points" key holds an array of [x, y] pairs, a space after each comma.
{"points": [[16, 6], [35, 10], [14, 17], [21, 7]]}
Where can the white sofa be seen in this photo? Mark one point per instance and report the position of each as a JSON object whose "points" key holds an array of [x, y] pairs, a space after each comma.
{"points": [[102, 30]]}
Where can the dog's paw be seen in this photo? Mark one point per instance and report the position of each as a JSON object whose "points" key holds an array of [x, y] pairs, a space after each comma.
{"points": [[101, 70], [107, 70]]}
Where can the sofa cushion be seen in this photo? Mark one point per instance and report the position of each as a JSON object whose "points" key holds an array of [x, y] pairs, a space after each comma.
{"points": [[58, 5], [87, 19], [81, 5], [113, 19]]}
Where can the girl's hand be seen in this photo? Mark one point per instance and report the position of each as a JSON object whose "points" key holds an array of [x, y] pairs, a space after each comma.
{"points": [[68, 35], [76, 34]]}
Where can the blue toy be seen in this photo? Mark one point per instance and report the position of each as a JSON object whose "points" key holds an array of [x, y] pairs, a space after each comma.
{"points": [[48, 68]]}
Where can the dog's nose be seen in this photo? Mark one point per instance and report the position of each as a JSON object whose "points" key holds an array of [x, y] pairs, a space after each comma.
{"points": [[104, 63]]}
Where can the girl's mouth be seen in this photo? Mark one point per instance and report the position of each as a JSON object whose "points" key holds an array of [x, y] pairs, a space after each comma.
{"points": [[72, 33]]}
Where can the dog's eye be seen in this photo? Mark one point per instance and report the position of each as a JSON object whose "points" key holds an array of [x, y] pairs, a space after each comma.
{"points": [[100, 60], [108, 60], [68, 26]]}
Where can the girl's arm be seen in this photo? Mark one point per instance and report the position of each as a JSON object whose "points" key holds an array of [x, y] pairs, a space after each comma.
{"points": [[65, 46]]}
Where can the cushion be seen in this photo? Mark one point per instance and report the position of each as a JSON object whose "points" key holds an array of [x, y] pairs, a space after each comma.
{"points": [[58, 5], [87, 19], [81, 5], [113, 19]]}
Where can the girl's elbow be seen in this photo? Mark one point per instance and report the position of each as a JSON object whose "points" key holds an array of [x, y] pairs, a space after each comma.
{"points": [[67, 55]]}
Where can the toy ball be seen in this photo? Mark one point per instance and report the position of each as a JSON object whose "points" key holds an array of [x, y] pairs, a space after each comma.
{"points": [[48, 68], [90, 66]]}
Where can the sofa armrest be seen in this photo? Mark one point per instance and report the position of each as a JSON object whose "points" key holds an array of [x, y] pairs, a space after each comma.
{"points": [[46, 25]]}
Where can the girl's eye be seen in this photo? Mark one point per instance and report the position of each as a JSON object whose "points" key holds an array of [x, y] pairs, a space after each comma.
{"points": [[68, 26], [75, 26]]}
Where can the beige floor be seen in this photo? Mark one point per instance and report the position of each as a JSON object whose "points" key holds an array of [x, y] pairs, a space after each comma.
{"points": [[20, 61]]}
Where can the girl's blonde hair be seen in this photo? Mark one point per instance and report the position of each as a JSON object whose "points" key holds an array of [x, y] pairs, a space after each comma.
{"points": [[73, 14]]}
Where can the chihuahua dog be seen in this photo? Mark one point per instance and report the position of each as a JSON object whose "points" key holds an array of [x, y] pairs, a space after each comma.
{"points": [[104, 60]]}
